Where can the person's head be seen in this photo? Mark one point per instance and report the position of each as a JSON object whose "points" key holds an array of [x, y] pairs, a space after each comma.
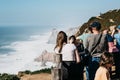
{"points": [[106, 59], [61, 39], [95, 26], [72, 39]]}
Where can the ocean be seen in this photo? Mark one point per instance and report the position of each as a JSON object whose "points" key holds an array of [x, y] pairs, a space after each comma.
{"points": [[20, 45]]}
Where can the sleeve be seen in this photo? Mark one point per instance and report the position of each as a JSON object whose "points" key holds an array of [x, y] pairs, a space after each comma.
{"points": [[86, 43], [73, 47], [81, 37], [114, 36], [56, 50]]}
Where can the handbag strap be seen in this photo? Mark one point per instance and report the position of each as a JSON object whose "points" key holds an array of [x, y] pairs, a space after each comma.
{"points": [[94, 48]]}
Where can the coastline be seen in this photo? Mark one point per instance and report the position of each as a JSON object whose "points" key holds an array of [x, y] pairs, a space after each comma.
{"points": [[22, 58]]}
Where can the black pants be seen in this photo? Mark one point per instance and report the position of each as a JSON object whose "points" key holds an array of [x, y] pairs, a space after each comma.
{"points": [[116, 57], [72, 71]]}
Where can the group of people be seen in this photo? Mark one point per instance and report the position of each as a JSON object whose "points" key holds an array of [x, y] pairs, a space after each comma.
{"points": [[96, 52]]}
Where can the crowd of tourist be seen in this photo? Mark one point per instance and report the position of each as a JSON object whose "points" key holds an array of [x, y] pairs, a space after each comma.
{"points": [[94, 52]]}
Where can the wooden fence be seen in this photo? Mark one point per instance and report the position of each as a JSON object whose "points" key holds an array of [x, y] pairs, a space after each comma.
{"points": [[56, 71]]}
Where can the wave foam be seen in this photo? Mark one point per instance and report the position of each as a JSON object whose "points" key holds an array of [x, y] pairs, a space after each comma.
{"points": [[24, 54]]}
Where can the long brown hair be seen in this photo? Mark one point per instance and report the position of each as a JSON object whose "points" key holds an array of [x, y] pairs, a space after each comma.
{"points": [[61, 39], [106, 58]]}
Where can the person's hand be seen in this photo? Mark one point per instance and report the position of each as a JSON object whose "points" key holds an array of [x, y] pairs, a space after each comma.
{"points": [[113, 31], [78, 61]]}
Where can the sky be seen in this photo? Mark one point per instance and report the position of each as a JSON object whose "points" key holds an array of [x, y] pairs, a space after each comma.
{"points": [[70, 13]]}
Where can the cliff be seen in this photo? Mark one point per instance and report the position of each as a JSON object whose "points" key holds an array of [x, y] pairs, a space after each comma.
{"points": [[112, 17]]}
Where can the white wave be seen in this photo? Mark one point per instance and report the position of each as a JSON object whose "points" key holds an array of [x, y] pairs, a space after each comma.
{"points": [[24, 53]]}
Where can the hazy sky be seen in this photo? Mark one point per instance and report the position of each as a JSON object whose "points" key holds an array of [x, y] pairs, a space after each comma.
{"points": [[52, 12]]}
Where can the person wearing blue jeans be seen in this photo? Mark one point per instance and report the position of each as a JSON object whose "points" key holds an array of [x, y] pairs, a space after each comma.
{"points": [[90, 46], [92, 69]]}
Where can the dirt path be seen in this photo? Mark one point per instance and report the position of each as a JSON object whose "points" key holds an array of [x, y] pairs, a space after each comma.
{"points": [[42, 76]]}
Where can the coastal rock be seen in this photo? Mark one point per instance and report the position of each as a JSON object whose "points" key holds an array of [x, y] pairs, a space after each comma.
{"points": [[53, 36], [71, 31], [45, 56]]}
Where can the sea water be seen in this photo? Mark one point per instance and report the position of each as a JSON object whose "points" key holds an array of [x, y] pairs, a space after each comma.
{"points": [[20, 45]]}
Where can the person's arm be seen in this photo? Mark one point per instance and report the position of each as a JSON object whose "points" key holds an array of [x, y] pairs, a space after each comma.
{"points": [[115, 42], [113, 32], [77, 56]]}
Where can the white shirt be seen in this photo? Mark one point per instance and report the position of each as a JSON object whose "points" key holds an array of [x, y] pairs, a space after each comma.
{"points": [[57, 50], [68, 52]]}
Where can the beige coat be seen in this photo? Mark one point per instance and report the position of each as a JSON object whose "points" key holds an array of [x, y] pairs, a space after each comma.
{"points": [[102, 74]]}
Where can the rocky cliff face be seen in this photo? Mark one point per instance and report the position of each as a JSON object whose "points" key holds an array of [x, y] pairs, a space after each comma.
{"points": [[112, 17], [45, 56], [53, 36]]}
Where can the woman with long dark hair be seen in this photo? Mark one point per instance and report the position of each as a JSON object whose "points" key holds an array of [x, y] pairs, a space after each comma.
{"points": [[60, 41]]}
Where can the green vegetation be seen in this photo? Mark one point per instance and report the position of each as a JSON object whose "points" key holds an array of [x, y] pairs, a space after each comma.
{"points": [[6, 76], [46, 70], [107, 19]]}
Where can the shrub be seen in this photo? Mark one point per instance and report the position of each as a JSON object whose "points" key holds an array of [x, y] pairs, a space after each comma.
{"points": [[6, 76], [47, 70]]}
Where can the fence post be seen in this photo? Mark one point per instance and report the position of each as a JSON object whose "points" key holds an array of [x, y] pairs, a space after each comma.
{"points": [[56, 71]]}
